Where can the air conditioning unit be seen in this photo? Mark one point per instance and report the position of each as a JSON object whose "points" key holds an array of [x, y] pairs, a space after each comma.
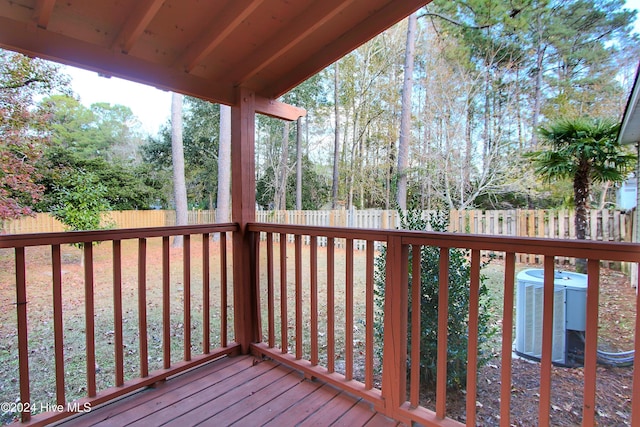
{"points": [[569, 316]]}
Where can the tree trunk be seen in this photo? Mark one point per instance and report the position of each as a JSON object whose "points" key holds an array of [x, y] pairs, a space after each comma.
{"points": [[405, 115], [224, 165], [281, 193], [336, 144], [177, 156], [299, 164], [581, 195]]}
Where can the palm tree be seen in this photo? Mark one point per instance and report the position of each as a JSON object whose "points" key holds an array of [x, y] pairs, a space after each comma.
{"points": [[587, 151]]}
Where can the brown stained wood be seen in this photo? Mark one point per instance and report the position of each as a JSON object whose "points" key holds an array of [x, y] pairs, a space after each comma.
{"points": [[313, 274], [89, 319], [547, 343], [270, 296], [189, 396], [472, 352], [223, 290], [331, 412], [358, 415], [142, 307], [443, 316], [166, 304], [369, 311], [507, 339], [186, 298], [591, 344], [307, 405], [58, 326], [256, 277], [394, 368], [298, 296], [242, 401], [348, 340], [279, 403], [243, 211], [635, 404], [110, 412], [379, 420], [117, 312], [331, 340], [23, 341], [284, 324], [416, 291], [206, 295]]}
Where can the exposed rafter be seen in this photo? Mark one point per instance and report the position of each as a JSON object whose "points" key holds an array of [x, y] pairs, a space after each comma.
{"points": [[42, 12], [219, 29], [357, 35], [135, 25], [306, 23]]}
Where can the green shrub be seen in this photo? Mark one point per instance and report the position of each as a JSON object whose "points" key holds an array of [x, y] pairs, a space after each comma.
{"points": [[459, 279]]}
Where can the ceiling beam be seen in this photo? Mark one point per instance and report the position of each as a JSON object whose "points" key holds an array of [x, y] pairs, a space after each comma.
{"points": [[136, 24], [300, 27], [227, 21], [22, 37], [357, 35], [42, 12], [279, 110]]}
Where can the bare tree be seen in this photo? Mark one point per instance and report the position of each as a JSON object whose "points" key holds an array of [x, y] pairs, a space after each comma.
{"points": [[405, 115], [299, 164], [177, 156], [336, 146]]}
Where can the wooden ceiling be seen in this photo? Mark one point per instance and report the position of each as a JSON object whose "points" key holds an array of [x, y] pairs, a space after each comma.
{"points": [[202, 48]]}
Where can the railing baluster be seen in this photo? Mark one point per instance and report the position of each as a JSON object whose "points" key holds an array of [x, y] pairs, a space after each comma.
{"points": [[472, 352], [256, 278], [186, 310], [284, 337], [58, 327], [416, 292], [591, 343], [23, 346], [635, 402], [368, 364], [348, 339], [547, 342], [443, 319], [117, 312], [166, 304], [206, 295], [270, 296], [331, 340], [89, 320], [223, 290], [507, 338], [298, 284], [313, 273], [142, 307]]}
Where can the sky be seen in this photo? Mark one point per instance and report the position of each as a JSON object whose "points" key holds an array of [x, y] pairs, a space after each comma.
{"points": [[150, 105]]}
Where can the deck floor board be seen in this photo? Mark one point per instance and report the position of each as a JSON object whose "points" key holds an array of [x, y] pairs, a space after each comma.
{"points": [[239, 391]]}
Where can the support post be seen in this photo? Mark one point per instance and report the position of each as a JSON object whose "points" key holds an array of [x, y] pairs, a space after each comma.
{"points": [[243, 196]]}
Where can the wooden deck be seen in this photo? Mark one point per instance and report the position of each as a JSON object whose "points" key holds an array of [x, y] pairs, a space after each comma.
{"points": [[239, 391]]}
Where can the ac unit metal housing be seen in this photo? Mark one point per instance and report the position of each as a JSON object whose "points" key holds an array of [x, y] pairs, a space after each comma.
{"points": [[569, 316]]}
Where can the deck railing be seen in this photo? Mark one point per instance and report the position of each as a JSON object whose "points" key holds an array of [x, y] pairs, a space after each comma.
{"points": [[319, 310], [170, 363], [316, 322]]}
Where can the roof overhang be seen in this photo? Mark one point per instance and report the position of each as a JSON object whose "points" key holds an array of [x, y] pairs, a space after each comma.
{"points": [[630, 127], [205, 49]]}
